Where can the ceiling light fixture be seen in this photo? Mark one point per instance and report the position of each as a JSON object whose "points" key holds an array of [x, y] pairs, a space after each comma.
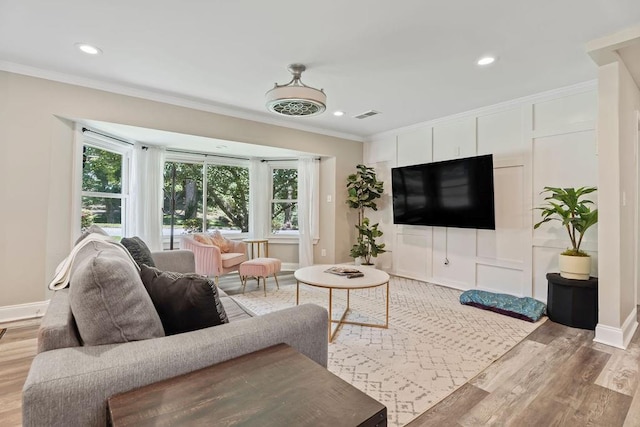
{"points": [[338, 113], [486, 60], [295, 98], [88, 49]]}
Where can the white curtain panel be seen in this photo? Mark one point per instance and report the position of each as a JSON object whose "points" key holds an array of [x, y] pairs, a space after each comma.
{"points": [[308, 208], [259, 199], [147, 176]]}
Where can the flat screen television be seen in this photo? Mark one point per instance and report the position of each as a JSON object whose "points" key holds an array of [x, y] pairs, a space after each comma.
{"points": [[453, 193]]}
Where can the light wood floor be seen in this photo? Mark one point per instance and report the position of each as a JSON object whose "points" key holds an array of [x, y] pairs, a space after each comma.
{"points": [[557, 376], [17, 349]]}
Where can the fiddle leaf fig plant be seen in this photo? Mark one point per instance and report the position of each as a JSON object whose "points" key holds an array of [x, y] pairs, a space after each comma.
{"points": [[363, 189], [568, 206]]}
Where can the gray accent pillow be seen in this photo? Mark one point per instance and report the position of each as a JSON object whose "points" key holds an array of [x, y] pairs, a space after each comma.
{"points": [[92, 229], [185, 302], [109, 301], [139, 251]]}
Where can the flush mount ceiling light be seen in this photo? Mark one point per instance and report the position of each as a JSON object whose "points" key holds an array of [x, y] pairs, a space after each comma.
{"points": [[295, 98], [88, 49], [486, 60]]}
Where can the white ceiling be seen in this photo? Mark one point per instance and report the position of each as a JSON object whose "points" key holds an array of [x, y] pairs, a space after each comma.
{"points": [[412, 60]]}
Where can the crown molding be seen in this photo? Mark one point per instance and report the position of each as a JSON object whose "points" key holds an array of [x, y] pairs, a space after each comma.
{"points": [[492, 109], [168, 98]]}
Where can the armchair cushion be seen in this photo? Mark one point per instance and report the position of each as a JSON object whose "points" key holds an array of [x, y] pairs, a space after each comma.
{"points": [[232, 259], [203, 238], [208, 259], [218, 239], [185, 302]]}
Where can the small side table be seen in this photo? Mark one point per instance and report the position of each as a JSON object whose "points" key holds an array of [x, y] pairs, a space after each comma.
{"points": [[256, 243], [573, 302]]}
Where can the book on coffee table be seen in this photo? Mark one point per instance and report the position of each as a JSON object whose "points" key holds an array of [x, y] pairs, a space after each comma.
{"points": [[347, 272]]}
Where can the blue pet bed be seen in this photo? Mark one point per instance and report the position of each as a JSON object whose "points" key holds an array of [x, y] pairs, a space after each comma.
{"points": [[521, 308]]}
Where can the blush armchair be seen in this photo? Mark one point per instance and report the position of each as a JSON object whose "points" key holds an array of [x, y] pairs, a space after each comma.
{"points": [[211, 261]]}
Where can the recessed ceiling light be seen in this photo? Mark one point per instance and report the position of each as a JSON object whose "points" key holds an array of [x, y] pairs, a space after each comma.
{"points": [[486, 60], [88, 49], [338, 113]]}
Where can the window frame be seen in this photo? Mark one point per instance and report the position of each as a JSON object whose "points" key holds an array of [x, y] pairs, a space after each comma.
{"points": [[113, 146], [273, 165], [207, 160]]}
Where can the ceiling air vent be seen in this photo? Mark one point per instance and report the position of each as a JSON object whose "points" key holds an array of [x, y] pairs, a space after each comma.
{"points": [[367, 114]]}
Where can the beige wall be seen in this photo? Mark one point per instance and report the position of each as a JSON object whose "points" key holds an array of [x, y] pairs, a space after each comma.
{"points": [[608, 197], [36, 139], [619, 99], [629, 105]]}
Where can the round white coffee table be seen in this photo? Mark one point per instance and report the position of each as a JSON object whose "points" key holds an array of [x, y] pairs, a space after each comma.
{"points": [[317, 276]]}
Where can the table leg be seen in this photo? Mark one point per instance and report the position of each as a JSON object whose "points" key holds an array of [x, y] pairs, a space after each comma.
{"points": [[347, 299], [330, 304], [297, 292], [386, 324]]}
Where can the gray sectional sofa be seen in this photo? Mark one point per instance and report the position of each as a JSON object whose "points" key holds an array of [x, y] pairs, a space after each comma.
{"points": [[69, 384]]}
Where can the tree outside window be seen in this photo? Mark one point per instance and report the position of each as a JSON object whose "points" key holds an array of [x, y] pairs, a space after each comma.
{"points": [[227, 197], [103, 199], [182, 186], [284, 201]]}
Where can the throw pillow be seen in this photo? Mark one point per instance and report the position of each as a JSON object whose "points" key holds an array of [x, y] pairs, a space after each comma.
{"points": [[109, 301], [219, 240], [203, 238], [92, 229], [139, 251], [185, 302], [525, 308]]}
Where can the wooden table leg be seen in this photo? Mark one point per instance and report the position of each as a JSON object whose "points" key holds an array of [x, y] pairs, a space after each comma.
{"points": [[297, 293], [330, 304], [386, 324]]}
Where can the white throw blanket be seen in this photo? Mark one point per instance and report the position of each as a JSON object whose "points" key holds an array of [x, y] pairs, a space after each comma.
{"points": [[63, 270]]}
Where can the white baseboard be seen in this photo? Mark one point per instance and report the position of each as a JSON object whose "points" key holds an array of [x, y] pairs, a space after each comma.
{"points": [[289, 266], [9, 313], [618, 337]]}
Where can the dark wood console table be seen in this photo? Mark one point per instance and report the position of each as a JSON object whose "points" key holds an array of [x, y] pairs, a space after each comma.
{"points": [[573, 302], [276, 386]]}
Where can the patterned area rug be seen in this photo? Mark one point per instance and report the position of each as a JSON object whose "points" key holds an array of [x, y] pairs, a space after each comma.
{"points": [[432, 347]]}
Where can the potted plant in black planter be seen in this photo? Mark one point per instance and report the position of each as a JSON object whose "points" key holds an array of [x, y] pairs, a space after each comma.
{"points": [[364, 188], [568, 206]]}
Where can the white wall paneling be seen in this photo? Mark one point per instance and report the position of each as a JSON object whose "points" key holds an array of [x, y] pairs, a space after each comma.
{"points": [[545, 141], [381, 150], [499, 279], [415, 147], [458, 247], [413, 251], [501, 134], [568, 112], [454, 140]]}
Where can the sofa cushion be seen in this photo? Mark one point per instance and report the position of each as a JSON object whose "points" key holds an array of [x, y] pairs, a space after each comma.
{"points": [[185, 302], [234, 310], [232, 259], [138, 250], [108, 300], [57, 328], [92, 229]]}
